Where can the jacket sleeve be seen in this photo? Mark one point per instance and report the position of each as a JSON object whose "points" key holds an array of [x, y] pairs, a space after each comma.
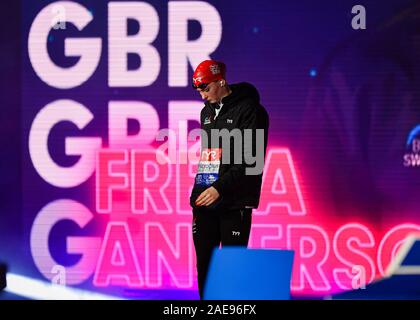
{"points": [[252, 118]]}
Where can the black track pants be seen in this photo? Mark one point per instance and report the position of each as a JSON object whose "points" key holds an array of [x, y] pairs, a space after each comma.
{"points": [[212, 228]]}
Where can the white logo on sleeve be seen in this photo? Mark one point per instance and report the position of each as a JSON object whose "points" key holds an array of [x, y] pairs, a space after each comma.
{"points": [[236, 233], [207, 120]]}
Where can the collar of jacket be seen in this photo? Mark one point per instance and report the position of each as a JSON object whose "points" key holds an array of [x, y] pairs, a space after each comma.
{"points": [[227, 103]]}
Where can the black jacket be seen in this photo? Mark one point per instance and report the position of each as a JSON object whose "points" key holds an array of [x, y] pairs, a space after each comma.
{"points": [[241, 110]]}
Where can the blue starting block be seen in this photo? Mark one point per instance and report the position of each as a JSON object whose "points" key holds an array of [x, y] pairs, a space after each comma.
{"points": [[237, 273]]}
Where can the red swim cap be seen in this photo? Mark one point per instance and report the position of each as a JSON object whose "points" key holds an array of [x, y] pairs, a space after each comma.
{"points": [[208, 71]]}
